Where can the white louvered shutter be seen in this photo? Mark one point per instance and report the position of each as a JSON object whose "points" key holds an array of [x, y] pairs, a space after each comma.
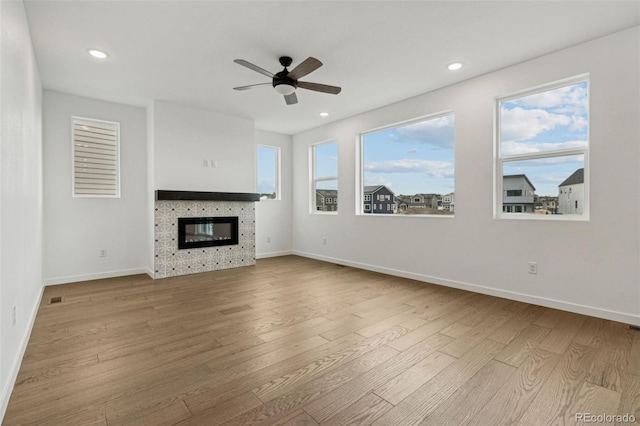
{"points": [[95, 158]]}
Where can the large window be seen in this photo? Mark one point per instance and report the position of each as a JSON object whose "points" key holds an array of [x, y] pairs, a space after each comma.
{"points": [[324, 181], [409, 168], [96, 158], [542, 152], [268, 172]]}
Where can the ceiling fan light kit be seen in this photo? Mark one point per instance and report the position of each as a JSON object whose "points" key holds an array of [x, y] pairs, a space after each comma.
{"points": [[286, 82]]}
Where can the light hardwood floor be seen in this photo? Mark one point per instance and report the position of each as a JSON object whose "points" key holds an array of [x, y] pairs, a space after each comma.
{"points": [[300, 342]]}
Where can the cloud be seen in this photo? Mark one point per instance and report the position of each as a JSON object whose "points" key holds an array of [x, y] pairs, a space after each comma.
{"points": [[433, 169], [266, 187], [524, 124], [578, 123], [413, 151], [377, 180], [436, 131], [566, 100]]}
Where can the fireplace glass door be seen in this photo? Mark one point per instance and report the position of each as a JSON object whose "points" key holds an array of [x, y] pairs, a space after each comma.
{"points": [[196, 232]]}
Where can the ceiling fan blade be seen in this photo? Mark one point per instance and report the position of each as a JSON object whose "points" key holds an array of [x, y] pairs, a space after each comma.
{"points": [[324, 88], [291, 99], [253, 67], [305, 67], [251, 86]]}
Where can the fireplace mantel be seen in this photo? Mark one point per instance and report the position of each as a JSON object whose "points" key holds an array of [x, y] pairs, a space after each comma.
{"points": [[205, 196]]}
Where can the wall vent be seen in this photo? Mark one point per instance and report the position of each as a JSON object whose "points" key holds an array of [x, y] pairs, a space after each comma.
{"points": [[56, 299]]}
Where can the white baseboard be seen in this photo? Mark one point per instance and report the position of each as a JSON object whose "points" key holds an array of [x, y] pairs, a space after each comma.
{"points": [[623, 317], [273, 254], [15, 368], [96, 276]]}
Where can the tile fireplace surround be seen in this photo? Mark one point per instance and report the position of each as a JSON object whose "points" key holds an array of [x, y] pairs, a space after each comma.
{"points": [[169, 261]]}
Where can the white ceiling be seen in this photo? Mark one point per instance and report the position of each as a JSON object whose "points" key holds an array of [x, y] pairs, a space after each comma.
{"points": [[379, 52]]}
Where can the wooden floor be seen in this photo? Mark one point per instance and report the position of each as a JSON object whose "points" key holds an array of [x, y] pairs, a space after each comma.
{"points": [[294, 341]]}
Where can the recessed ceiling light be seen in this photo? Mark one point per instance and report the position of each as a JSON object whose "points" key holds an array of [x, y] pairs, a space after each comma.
{"points": [[324, 114], [99, 54], [454, 66]]}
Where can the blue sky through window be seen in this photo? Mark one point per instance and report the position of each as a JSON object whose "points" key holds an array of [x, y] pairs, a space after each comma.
{"points": [[267, 169], [545, 122], [326, 157], [411, 159]]}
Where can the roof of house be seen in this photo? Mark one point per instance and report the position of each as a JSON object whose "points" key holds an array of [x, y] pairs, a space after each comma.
{"points": [[327, 192], [520, 176], [374, 188], [575, 178]]}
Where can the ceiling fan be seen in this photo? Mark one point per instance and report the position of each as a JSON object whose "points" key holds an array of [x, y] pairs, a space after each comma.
{"points": [[285, 82]]}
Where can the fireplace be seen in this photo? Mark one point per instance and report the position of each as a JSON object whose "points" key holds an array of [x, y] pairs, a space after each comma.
{"points": [[203, 231], [194, 232]]}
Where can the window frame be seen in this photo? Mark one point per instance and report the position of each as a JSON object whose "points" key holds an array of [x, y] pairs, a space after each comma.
{"points": [[359, 198], [499, 159], [313, 179], [116, 124], [278, 171]]}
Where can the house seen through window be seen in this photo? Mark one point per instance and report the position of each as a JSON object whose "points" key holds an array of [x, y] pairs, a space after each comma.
{"points": [[408, 168], [543, 150], [324, 180]]}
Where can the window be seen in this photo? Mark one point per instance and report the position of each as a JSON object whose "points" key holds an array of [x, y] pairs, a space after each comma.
{"points": [[542, 149], [324, 181], [410, 159], [96, 158], [367, 197], [268, 172]]}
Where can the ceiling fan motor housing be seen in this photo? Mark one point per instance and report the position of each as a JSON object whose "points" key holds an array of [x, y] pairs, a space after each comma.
{"points": [[282, 78]]}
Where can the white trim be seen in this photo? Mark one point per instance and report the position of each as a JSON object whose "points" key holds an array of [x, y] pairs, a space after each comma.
{"points": [[499, 159], [278, 171], [15, 368], [273, 254], [97, 276], [409, 121], [623, 317], [313, 180], [569, 81], [360, 157], [73, 159]]}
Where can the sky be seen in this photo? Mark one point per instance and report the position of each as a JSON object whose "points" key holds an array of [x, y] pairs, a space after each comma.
{"points": [[267, 169], [416, 158], [419, 157], [545, 122], [326, 157]]}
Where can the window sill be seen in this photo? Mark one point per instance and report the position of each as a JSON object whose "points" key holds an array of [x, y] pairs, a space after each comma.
{"points": [[543, 217]]}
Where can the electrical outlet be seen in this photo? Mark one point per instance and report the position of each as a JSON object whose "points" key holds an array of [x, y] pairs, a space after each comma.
{"points": [[324, 241], [13, 315], [103, 252], [268, 239], [533, 267]]}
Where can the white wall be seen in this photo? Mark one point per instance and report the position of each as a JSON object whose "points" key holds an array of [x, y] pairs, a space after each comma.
{"points": [[274, 217], [590, 267], [75, 229], [20, 191], [184, 137]]}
